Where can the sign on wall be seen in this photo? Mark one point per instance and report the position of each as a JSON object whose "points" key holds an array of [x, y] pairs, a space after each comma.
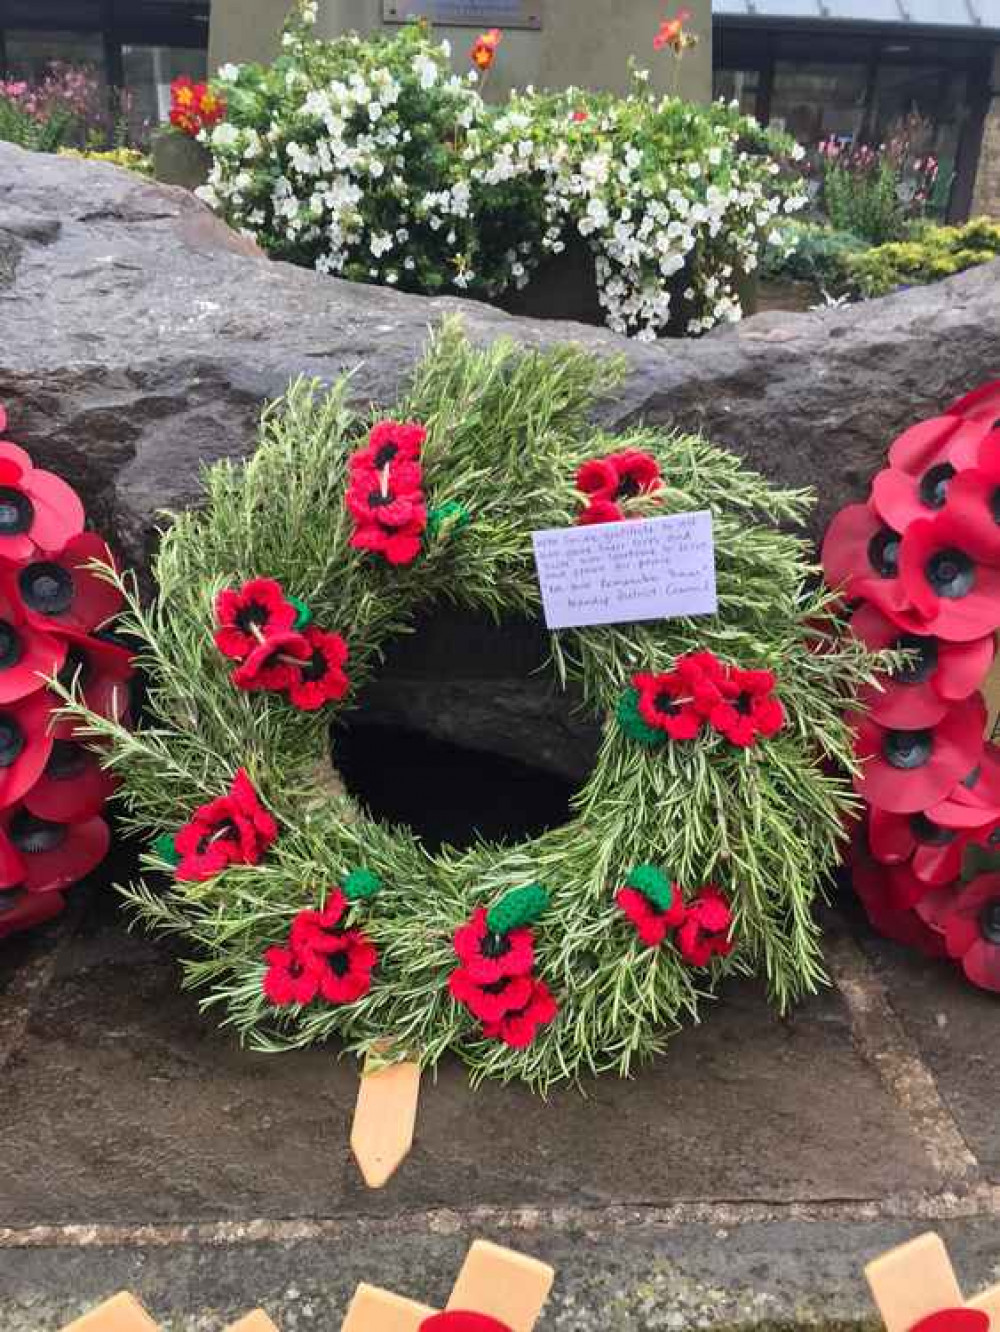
{"points": [[467, 13]]}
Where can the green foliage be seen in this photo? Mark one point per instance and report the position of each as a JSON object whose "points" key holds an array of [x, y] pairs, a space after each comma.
{"points": [[521, 906], [507, 429], [42, 134], [810, 252], [934, 253], [130, 158], [864, 203]]}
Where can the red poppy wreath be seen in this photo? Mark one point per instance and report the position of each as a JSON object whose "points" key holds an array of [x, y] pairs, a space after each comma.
{"points": [[55, 608], [696, 847], [919, 563]]}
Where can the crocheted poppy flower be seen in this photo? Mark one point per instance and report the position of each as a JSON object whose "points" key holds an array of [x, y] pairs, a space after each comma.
{"points": [[291, 977], [400, 546], [25, 745], [389, 443], [652, 903], [20, 910], [101, 671], [975, 800], [974, 502], [53, 855], [903, 925], [58, 591], [247, 615], [599, 511], [73, 785], [909, 770], [598, 478], [322, 958], [391, 498], [457, 1320], [940, 673], [38, 510], [272, 664], [933, 852], [666, 702], [489, 1003], [637, 474], [972, 930], [233, 829], [321, 678], [860, 555], [957, 596], [748, 710], [704, 932], [518, 1028], [488, 957]]}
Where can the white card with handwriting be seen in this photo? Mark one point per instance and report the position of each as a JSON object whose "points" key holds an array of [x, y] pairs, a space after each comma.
{"points": [[613, 573]]}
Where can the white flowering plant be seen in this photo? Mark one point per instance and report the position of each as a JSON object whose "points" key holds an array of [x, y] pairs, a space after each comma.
{"points": [[370, 159]]}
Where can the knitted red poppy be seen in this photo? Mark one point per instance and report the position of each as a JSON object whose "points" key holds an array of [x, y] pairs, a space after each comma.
{"points": [[518, 1028], [972, 930], [234, 829], [58, 591], [73, 785], [651, 925], [666, 702], [599, 511], [271, 664], [704, 932], [249, 614], [321, 678], [748, 710], [956, 595], [38, 510], [389, 443], [322, 958], [487, 957], [489, 1003], [909, 770], [290, 978], [597, 477], [391, 498], [400, 546], [51, 856]]}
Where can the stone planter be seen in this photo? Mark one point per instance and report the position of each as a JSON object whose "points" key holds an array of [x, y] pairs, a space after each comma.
{"points": [[180, 160], [565, 287]]}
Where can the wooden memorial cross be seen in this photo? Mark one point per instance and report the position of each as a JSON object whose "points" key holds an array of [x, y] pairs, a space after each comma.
{"points": [[124, 1313], [916, 1290]]}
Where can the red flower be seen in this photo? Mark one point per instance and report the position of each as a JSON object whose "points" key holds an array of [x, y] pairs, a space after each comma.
{"points": [[247, 616], [704, 933], [975, 800], [391, 498], [860, 554], [457, 1320], [919, 695], [748, 711], [322, 677], [60, 593], [578, 117], [490, 1003], [619, 476], [101, 670], [972, 930], [234, 829], [933, 852], [389, 443], [20, 910], [982, 404], [599, 511], [399, 547], [291, 977], [597, 477], [672, 33], [974, 501], [487, 957], [651, 924], [27, 655], [902, 925], [25, 745], [923, 461], [519, 1028], [909, 770], [667, 702], [51, 856], [322, 959], [484, 49], [72, 787], [38, 510], [957, 597], [273, 663]]}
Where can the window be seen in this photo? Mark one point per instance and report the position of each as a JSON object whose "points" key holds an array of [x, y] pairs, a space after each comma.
{"points": [[738, 85], [148, 71], [813, 101], [29, 54]]}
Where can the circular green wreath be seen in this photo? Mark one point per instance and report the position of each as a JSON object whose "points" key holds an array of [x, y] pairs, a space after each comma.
{"points": [[507, 429]]}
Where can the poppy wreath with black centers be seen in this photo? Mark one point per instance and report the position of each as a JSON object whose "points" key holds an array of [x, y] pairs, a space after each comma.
{"points": [[520, 958], [920, 564], [55, 608]]}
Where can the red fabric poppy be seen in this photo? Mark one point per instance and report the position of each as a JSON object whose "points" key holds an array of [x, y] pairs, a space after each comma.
{"points": [[247, 615], [487, 957], [599, 511], [923, 462], [457, 1320], [233, 829], [38, 510], [273, 663], [58, 592], [101, 670], [902, 925], [651, 924], [748, 710], [389, 443], [954, 1320], [972, 930], [909, 770], [666, 702], [28, 655], [52, 856], [519, 1028], [974, 501], [920, 694], [860, 555], [975, 800], [490, 1002], [20, 910], [291, 977], [931, 851], [73, 785], [321, 678], [957, 596], [704, 933], [25, 745], [982, 404]]}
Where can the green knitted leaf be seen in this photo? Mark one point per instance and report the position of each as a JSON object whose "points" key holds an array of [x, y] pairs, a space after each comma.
{"points": [[450, 513], [520, 906], [304, 615], [361, 883], [653, 884], [633, 725], [165, 849]]}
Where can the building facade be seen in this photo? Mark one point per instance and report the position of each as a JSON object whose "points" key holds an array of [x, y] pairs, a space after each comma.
{"points": [[855, 69]]}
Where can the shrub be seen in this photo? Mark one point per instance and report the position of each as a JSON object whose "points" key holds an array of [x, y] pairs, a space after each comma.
{"points": [[811, 252], [130, 158], [933, 253], [69, 107], [876, 192], [370, 159]]}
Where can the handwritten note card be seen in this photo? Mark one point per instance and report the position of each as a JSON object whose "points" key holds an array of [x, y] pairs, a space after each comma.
{"points": [[612, 573]]}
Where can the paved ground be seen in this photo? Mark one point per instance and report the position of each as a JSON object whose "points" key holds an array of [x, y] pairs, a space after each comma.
{"points": [[741, 1181]]}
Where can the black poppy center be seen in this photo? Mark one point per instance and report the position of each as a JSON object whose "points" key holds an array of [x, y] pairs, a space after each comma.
{"points": [[951, 573], [665, 704], [386, 454], [930, 833], [994, 837], [744, 704], [8, 901], [340, 964], [989, 922], [11, 740], [35, 836], [315, 668], [253, 615], [908, 749], [883, 552], [75, 670], [225, 831], [16, 512], [934, 485], [496, 987], [628, 488], [11, 646], [376, 500], [494, 944], [47, 588], [972, 780], [923, 658], [995, 505], [67, 760]]}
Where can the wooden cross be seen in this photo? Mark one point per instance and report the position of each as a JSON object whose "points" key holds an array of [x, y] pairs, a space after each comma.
{"points": [[124, 1313], [915, 1287]]}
